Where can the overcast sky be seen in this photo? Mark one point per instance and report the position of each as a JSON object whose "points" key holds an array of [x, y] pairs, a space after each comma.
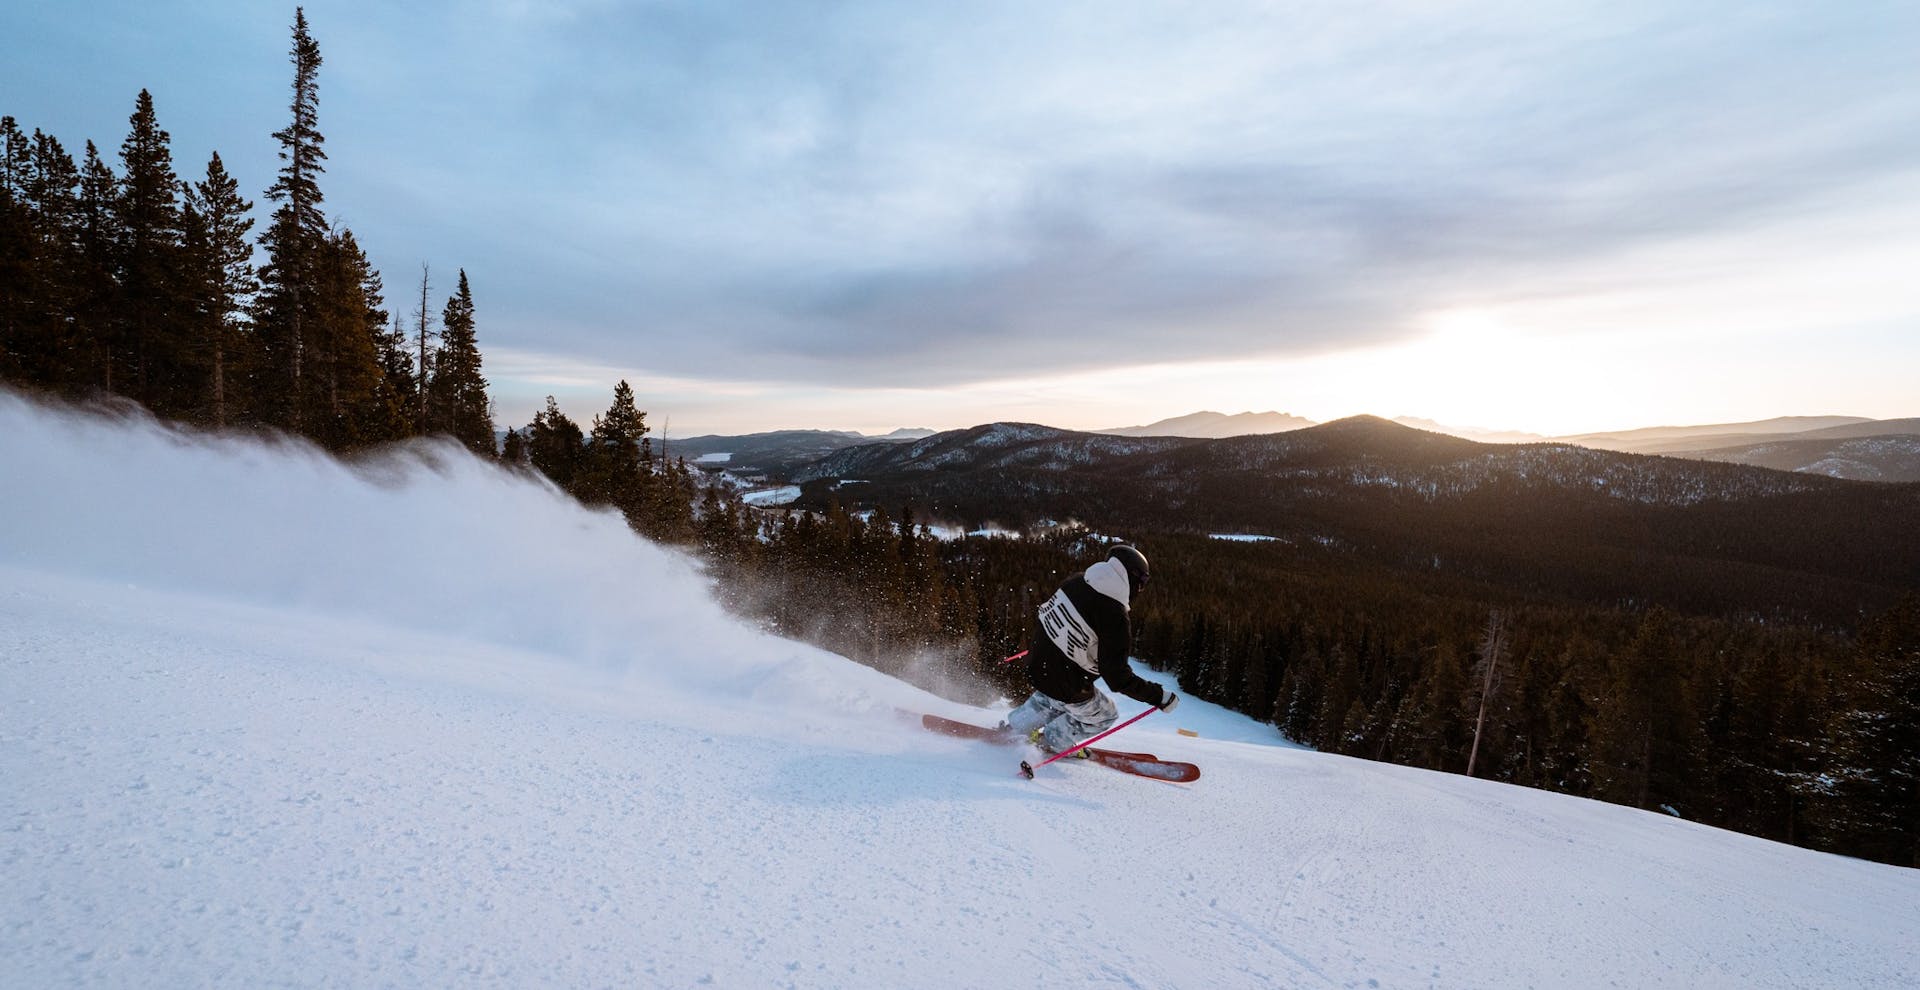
{"points": [[1541, 216]]}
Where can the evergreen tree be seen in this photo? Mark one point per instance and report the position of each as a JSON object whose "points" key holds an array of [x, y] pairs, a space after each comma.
{"points": [[224, 284], [1646, 733], [38, 265], [460, 406], [554, 445], [96, 290], [56, 209], [613, 471], [16, 251], [1432, 723], [294, 242], [1342, 686], [672, 492], [394, 399], [724, 540], [423, 371], [513, 450], [16, 163], [155, 356], [343, 334]]}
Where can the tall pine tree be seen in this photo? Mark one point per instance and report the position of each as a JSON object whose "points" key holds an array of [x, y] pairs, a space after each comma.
{"points": [[398, 384], [96, 291], [459, 403], [612, 473], [294, 241], [54, 194], [342, 332], [38, 240], [224, 283], [554, 445], [16, 252], [154, 353]]}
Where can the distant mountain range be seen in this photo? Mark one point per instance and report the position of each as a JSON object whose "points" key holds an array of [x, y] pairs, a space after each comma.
{"points": [[1543, 519], [1848, 447], [1851, 447], [1213, 425], [1669, 439], [1218, 426], [1836, 446]]}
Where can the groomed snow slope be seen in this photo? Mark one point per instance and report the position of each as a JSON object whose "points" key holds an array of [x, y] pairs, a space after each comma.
{"points": [[265, 720]]}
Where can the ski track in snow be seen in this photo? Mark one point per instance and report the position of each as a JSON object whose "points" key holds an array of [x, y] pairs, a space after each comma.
{"points": [[223, 765]]}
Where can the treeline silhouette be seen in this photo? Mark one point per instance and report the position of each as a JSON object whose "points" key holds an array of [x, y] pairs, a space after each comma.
{"points": [[138, 283], [1710, 697]]}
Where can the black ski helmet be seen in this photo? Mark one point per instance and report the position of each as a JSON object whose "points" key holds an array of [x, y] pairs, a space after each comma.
{"points": [[1136, 564]]}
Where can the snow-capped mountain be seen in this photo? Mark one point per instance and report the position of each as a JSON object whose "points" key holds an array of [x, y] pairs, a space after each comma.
{"points": [[268, 719]]}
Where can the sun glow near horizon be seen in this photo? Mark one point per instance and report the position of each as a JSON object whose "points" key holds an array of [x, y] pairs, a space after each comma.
{"points": [[1473, 368]]}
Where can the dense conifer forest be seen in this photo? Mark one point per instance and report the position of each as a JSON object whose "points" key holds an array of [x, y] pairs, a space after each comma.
{"points": [[130, 283], [138, 283]]}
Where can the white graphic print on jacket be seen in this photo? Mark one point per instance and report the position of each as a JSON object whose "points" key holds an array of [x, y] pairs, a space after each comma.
{"points": [[1069, 629]]}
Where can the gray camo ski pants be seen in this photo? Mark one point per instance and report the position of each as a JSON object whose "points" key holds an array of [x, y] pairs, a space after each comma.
{"points": [[1063, 726]]}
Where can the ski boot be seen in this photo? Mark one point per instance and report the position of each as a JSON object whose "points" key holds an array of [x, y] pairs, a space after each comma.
{"points": [[1036, 737]]}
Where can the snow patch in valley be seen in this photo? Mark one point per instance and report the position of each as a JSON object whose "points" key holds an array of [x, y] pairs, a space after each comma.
{"points": [[947, 533], [784, 495]]}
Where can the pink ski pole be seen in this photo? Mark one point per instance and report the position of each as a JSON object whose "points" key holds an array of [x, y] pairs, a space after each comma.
{"points": [[1027, 770], [1016, 656]]}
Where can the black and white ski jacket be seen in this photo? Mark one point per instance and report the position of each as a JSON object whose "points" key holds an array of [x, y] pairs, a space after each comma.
{"points": [[1083, 633]]}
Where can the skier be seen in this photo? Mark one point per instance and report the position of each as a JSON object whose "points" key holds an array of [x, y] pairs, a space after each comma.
{"points": [[1080, 634]]}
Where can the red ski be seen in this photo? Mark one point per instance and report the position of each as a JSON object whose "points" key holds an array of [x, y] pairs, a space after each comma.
{"points": [[1138, 764]]}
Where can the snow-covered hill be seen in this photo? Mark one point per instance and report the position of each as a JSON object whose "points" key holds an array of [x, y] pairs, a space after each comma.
{"points": [[266, 720]]}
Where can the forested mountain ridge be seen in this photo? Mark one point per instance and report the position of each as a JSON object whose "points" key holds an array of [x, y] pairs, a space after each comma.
{"points": [[992, 446], [1361, 452], [1541, 521], [776, 453]]}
